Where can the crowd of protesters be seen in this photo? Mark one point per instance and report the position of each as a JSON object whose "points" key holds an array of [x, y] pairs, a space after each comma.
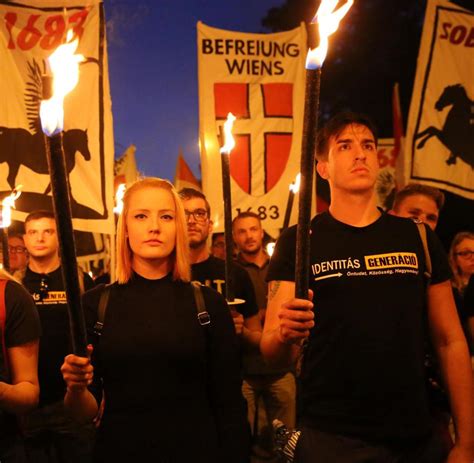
{"points": [[176, 374]]}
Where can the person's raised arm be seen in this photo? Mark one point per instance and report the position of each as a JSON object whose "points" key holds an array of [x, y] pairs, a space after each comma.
{"points": [[451, 347], [22, 394], [288, 322]]}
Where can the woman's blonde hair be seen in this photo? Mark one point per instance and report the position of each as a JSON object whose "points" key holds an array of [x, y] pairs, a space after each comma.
{"points": [[457, 279], [180, 255]]}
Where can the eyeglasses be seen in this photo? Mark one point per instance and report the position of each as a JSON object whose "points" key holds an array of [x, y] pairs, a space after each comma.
{"points": [[16, 249], [199, 215], [467, 253]]}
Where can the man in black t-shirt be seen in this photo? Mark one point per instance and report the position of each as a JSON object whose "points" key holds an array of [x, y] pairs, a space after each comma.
{"points": [[362, 396], [49, 429], [210, 270]]}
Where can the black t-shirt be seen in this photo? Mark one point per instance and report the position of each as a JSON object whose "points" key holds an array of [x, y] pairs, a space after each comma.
{"points": [[21, 327], [211, 272], [363, 370], [49, 294], [172, 386]]}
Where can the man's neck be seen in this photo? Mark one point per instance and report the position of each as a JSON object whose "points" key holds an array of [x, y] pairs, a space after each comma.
{"points": [[199, 254], [356, 209], [46, 264], [259, 258]]}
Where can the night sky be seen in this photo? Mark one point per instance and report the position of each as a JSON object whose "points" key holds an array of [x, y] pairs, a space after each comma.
{"points": [[153, 73]]}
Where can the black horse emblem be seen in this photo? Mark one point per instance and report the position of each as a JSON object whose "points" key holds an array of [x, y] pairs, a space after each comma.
{"points": [[457, 133], [19, 146]]}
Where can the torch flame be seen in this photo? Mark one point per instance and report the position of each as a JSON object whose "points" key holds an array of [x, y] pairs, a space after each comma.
{"points": [[7, 204], [64, 64], [270, 248], [229, 141], [328, 21], [119, 198], [295, 187]]}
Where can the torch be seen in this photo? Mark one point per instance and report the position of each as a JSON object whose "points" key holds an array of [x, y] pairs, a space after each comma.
{"points": [[294, 188], [327, 20], [6, 220], [119, 198], [64, 64], [228, 146]]}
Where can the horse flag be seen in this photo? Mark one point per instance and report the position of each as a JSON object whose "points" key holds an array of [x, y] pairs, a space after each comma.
{"points": [[440, 134], [260, 78], [29, 33]]}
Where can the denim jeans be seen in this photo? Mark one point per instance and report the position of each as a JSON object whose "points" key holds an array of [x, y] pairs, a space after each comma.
{"points": [[52, 436]]}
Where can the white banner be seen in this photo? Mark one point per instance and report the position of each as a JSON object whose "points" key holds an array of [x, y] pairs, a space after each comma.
{"points": [[260, 78], [29, 33], [440, 134]]}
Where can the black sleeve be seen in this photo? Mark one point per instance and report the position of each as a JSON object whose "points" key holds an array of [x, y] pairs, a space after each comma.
{"points": [[225, 382], [469, 298], [282, 262], [90, 303], [22, 321], [244, 290], [88, 282], [441, 271]]}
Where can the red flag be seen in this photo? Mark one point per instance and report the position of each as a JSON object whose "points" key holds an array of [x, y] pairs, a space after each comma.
{"points": [[184, 177]]}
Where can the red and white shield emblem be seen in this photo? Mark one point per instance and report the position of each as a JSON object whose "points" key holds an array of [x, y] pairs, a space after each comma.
{"points": [[262, 131]]}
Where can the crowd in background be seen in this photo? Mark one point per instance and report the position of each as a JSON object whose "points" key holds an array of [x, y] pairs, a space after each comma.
{"points": [[170, 365]]}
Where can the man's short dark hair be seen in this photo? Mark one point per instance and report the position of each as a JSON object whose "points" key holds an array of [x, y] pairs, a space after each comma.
{"points": [[246, 215], [413, 189], [215, 236], [189, 193], [336, 125], [39, 214]]}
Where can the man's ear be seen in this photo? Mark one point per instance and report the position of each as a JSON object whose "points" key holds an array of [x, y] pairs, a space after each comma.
{"points": [[211, 226], [322, 169]]}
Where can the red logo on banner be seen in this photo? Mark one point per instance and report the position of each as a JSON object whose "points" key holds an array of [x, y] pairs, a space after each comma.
{"points": [[258, 144]]}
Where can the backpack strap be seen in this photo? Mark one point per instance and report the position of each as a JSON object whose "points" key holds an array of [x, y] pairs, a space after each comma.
{"points": [[422, 231], [101, 309], [3, 319], [202, 314]]}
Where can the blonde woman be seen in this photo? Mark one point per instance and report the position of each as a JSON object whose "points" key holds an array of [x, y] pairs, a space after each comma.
{"points": [[171, 386], [19, 390], [461, 258]]}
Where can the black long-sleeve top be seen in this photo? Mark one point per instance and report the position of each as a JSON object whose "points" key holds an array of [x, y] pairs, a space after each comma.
{"points": [[172, 389]]}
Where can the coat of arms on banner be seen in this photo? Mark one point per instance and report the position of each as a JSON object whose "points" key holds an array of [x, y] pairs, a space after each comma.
{"points": [[265, 150], [260, 79], [440, 135], [28, 35]]}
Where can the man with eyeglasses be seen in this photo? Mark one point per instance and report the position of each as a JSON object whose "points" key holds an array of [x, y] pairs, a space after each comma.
{"points": [[49, 430], [210, 270], [17, 253]]}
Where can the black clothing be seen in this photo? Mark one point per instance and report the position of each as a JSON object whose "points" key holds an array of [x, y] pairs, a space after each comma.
{"points": [[49, 294], [21, 327], [465, 307], [363, 372], [172, 388], [334, 448], [211, 272]]}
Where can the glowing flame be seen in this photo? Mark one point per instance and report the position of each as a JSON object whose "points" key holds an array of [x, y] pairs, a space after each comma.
{"points": [[229, 141], [328, 21], [119, 198], [270, 248], [7, 205], [64, 65], [295, 187]]}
